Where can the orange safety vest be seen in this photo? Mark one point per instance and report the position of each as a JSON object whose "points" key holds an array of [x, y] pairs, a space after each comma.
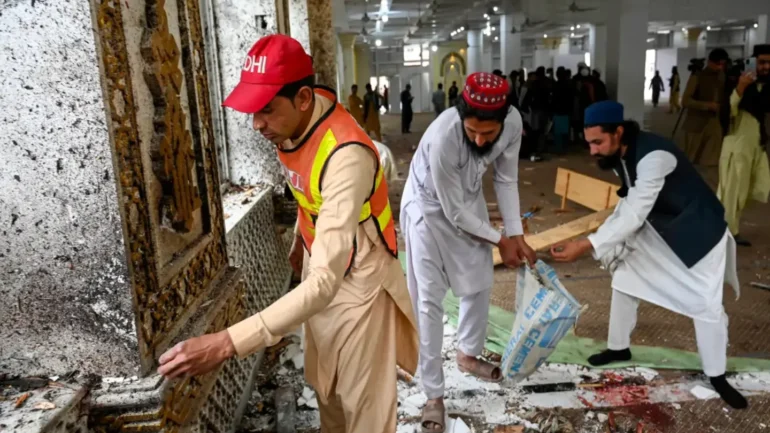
{"points": [[305, 165]]}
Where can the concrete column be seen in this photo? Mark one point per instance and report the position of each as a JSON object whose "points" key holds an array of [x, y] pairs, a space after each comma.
{"points": [[323, 45], [348, 41], [474, 51], [597, 46], [689, 46], [510, 43], [763, 33], [626, 50], [486, 53]]}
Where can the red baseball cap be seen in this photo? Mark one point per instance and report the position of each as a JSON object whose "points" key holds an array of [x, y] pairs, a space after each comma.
{"points": [[272, 62]]}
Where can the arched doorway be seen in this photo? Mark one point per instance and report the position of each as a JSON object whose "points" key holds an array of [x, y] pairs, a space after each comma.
{"points": [[453, 70]]}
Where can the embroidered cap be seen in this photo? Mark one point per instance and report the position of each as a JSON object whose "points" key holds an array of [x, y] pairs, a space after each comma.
{"points": [[272, 62], [485, 91], [604, 113]]}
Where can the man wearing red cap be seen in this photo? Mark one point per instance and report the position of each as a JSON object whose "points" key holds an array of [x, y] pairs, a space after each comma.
{"points": [[447, 232], [353, 299]]}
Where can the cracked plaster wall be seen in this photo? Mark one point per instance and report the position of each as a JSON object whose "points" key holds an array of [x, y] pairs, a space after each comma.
{"points": [[65, 301], [252, 159]]}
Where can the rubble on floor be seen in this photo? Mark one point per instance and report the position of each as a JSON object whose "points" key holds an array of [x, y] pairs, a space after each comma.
{"points": [[558, 398]]}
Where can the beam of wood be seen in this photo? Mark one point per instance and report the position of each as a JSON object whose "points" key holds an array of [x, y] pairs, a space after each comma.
{"points": [[545, 240], [585, 190]]}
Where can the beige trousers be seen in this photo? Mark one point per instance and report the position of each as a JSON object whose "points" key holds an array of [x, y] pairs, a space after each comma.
{"points": [[365, 397]]}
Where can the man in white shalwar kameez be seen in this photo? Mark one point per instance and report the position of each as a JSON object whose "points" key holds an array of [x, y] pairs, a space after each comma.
{"points": [[446, 228], [666, 243]]}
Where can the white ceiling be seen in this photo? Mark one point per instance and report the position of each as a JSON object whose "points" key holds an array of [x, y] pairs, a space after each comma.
{"points": [[434, 20]]}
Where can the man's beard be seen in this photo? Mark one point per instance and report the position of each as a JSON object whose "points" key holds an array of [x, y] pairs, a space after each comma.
{"points": [[763, 78], [484, 149], [608, 162]]}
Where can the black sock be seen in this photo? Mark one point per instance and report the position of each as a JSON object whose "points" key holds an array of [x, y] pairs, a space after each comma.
{"points": [[741, 241], [729, 394], [609, 356]]}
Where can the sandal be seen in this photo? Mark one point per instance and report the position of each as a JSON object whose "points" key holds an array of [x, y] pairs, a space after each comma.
{"points": [[482, 370], [433, 418]]}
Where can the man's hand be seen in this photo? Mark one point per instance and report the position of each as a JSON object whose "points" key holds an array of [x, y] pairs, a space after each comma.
{"points": [[746, 79], [197, 355], [514, 251], [570, 251], [296, 255], [713, 106], [526, 251]]}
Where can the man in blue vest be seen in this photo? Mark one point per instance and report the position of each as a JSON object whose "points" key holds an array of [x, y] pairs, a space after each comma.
{"points": [[666, 243]]}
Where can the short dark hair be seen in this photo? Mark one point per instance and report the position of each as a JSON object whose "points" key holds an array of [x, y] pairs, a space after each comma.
{"points": [[631, 129], [290, 90], [354, 86], [498, 72], [440, 86], [718, 55], [466, 111], [368, 86]]}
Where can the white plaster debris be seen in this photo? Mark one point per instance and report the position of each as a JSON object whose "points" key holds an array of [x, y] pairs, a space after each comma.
{"points": [[648, 373], [290, 352], [602, 417], [299, 361], [456, 425], [703, 393]]}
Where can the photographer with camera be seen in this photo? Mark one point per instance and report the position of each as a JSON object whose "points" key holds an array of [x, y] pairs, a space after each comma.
{"points": [[703, 98]]}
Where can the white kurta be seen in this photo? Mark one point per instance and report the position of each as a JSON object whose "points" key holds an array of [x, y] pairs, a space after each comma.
{"points": [[651, 271], [444, 188]]}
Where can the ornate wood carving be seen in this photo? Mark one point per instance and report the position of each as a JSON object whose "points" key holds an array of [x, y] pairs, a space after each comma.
{"points": [[159, 309], [174, 408], [173, 157]]}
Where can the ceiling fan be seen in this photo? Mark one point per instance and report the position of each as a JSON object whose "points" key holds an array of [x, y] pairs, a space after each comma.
{"points": [[573, 7], [527, 24]]}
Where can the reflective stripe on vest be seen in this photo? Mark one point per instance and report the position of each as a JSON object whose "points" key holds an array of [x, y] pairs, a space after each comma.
{"points": [[305, 166]]}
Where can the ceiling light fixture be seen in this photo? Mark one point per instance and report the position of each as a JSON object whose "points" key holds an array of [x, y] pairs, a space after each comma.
{"points": [[572, 35], [756, 25], [496, 39], [708, 28], [578, 26], [572, 28], [384, 18], [495, 8], [434, 48], [545, 35]]}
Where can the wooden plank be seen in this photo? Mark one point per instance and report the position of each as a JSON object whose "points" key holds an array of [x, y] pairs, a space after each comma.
{"points": [[545, 240], [585, 190]]}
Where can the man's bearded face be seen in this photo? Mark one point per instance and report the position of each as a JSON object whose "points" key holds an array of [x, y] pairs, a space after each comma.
{"points": [[763, 68], [605, 147], [481, 136]]}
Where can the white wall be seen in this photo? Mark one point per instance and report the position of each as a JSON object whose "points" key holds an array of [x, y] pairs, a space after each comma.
{"points": [[568, 61], [543, 58], [419, 78], [251, 158], [665, 60]]}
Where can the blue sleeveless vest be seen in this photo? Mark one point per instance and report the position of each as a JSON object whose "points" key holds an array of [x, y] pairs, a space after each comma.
{"points": [[687, 214]]}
